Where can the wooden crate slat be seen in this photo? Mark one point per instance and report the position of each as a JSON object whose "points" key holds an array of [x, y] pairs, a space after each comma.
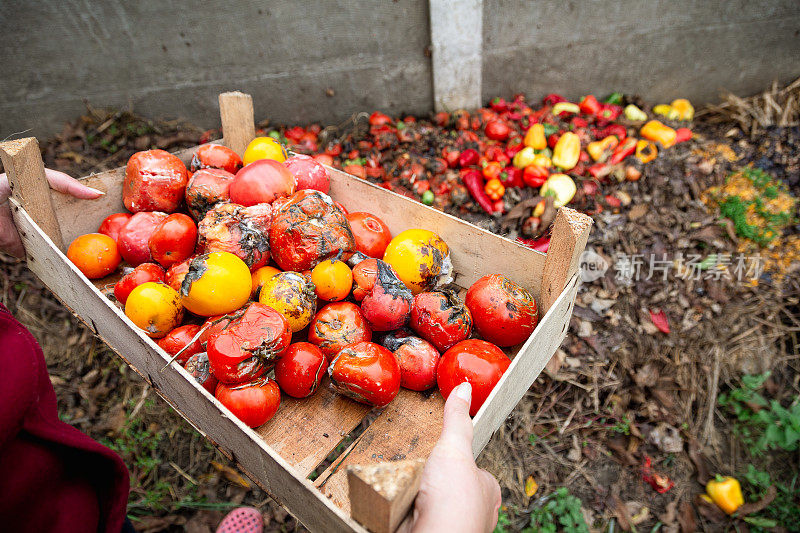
{"points": [[408, 428]]}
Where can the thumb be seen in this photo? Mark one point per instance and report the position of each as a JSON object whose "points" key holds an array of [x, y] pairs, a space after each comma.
{"points": [[457, 425]]}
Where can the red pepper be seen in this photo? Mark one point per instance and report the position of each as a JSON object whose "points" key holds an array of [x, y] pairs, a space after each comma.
{"points": [[660, 320], [473, 181], [661, 483], [625, 149], [612, 129], [535, 175], [499, 104], [512, 177], [536, 116], [514, 145], [609, 112], [552, 99], [552, 140], [493, 151], [499, 206], [589, 105], [584, 157], [468, 157], [578, 122], [599, 170], [682, 135], [613, 201]]}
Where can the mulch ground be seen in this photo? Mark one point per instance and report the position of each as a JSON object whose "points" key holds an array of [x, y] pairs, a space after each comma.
{"points": [[619, 393]]}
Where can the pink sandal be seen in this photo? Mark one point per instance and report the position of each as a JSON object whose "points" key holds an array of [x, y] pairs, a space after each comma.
{"points": [[242, 520]]}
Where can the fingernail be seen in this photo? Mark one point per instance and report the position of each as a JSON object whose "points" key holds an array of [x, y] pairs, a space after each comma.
{"points": [[464, 391], [94, 190]]}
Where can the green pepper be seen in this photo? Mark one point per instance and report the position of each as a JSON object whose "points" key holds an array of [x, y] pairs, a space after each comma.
{"points": [[613, 98]]}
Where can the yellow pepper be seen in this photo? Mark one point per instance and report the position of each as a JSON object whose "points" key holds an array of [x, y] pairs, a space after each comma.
{"points": [[560, 187], [567, 151], [646, 151], [666, 111], [535, 137], [524, 157], [494, 189], [657, 132], [683, 108], [566, 107], [542, 160], [539, 209], [726, 493], [600, 150]]}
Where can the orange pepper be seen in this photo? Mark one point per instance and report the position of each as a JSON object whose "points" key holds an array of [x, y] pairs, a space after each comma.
{"points": [[535, 137], [492, 170], [657, 132], [567, 151], [600, 150], [646, 151], [494, 189]]}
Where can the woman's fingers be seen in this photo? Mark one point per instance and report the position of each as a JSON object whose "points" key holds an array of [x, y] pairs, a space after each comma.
{"points": [[457, 425], [68, 185]]}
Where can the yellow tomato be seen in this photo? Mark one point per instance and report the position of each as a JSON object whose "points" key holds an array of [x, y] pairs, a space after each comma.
{"points": [[260, 276], [154, 307], [264, 148], [217, 283], [292, 295], [332, 279], [420, 258]]}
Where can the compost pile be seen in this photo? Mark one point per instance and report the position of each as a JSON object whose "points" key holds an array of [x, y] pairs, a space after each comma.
{"points": [[664, 373]]}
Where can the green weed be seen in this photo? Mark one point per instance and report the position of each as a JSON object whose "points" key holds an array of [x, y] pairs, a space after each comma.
{"points": [[783, 511], [558, 511]]}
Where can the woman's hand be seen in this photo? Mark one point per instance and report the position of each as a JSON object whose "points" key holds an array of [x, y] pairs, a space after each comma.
{"points": [[9, 237], [454, 494]]}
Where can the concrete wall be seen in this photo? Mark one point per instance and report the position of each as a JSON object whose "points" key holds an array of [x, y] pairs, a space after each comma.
{"points": [[172, 58]]}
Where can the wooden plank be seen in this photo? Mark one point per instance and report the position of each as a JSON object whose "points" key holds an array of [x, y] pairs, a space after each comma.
{"points": [[266, 467], [305, 431], [381, 495], [570, 232], [408, 428], [238, 125], [22, 161], [525, 368]]}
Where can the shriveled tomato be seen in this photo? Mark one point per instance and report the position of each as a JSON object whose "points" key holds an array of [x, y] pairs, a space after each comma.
{"points": [[262, 181], [154, 307], [254, 403], [336, 325], [308, 229], [177, 339], [366, 372], [441, 318], [249, 344], [173, 239], [300, 369], [112, 224], [479, 362], [388, 303], [141, 274], [176, 273], [206, 188], [292, 295], [421, 259], [371, 234], [504, 313], [215, 156], [308, 173], [200, 369], [332, 280], [155, 180], [417, 357], [364, 275], [242, 231], [134, 237], [216, 283], [96, 255]]}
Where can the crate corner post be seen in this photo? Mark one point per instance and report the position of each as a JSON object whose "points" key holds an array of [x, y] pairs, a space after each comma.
{"points": [[570, 234], [238, 123]]}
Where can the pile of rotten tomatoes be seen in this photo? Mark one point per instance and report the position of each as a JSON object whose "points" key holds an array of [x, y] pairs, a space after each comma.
{"points": [[244, 269], [483, 162]]}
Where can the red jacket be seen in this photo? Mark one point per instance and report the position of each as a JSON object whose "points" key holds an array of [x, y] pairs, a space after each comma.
{"points": [[52, 476]]}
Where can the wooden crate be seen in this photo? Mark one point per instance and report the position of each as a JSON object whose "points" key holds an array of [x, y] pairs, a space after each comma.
{"points": [[281, 455]]}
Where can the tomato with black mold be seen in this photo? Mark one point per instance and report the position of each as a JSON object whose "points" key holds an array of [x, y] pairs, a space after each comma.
{"points": [[417, 357], [388, 303], [441, 318]]}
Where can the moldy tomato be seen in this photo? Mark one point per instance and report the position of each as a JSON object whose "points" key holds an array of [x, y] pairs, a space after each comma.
{"points": [[112, 224], [254, 403], [292, 295], [216, 283], [366, 372], [173, 239], [371, 234], [308, 229], [177, 339], [215, 156], [441, 318], [154, 307], [420, 258], [300, 369], [197, 365], [479, 362], [503, 312], [308, 173], [155, 180], [417, 357], [207, 188], [239, 230], [95, 254], [364, 275], [249, 344], [134, 237], [387, 305], [336, 325], [141, 274], [263, 181], [176, 273]]}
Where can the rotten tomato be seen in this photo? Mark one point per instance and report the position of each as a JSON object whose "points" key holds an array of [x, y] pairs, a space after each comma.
{"points": [[134, 237], [366, 372], [441, 318], [207, 188], [141, 274], [417, 357], [504, 312], [336, 325], [198, 366], [242, 231], [155, 180], [388, 303], [254, 402], [300, 369], [178, 339]]}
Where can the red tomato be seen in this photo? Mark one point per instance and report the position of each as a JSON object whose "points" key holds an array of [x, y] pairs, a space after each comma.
{"points": [[336, 325], [479, 362], [135, 235], [417, 357], [387, 305], [262, 181], [179, 337], [300, 369], [366, 372], [242, 231], [173, 240], [497, 130], [364, 275], [254, 403], [503, 312], [379, 119], [215, 156], [141, 274], [155, 180], [440, 318], [112, 224], [371, 234], [308, 173], [200, 369], [207, 187], [248, 345]]}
